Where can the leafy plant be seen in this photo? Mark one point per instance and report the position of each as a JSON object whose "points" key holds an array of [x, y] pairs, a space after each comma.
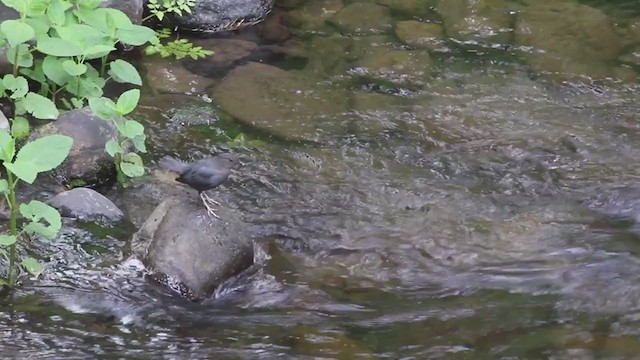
{"points": [[39, 155], [179, 48], [130, 133], [63, 46]]}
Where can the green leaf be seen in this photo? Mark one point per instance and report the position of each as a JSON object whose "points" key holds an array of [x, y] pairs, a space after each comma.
{"points": [[7, 240], [39, 106], [43, 154], [128, 101], [35, 73], [135, 35], [4, 186], [40, 24], [139, 144], [33, 266], [25, 58], [7, 146], [52, 67], [56, 11], [123, 72], [113, 148], [17, 32], [103, 107], [73, 68], [36, 211], [98, 51], [58, 47], [82, 35], [19, 127], [17, 85], [130, 128], [131, 165]]}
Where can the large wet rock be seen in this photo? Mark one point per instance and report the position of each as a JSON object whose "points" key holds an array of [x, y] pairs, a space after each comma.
{"points": [[190, 251], [477, 21], [413, 8], [271, 99], [313, 15], [362, 18], [86, 204], [421, 35], [567, 39], [229, 53], [166, 75], [88, 163], [402, 67], [221, 15]]}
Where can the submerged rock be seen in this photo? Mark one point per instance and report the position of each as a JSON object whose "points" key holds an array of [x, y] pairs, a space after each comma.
{"points": [[421, 35], [88, 163], [477, 21], [567, 39], [277, 101], [221, 15], [190, 251], [362, 18], [86, 204]]}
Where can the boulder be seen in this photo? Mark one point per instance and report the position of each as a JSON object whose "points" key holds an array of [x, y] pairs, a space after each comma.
{"points": [[190, 251], [134, 9], [86, 204], [477, 21], [165, 75], [363, 18], [285, 104], [399, 67], [421, 35], [413, 8], [567, 39], [88, 163], [221, 15]]}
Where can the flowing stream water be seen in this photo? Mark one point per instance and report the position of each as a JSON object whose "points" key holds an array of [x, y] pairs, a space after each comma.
{"points": [[488, 214]]}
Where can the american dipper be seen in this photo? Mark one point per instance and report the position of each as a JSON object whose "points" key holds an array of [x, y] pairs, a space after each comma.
{"points": [[204, 174]]}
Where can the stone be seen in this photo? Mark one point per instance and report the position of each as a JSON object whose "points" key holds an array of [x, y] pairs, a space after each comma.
{"points": [[190, 251], [228, 53], [313, 15], [286, 104], [421, 35], [88, 163], [222, 15], [165, 75], [567, 39], [86, 204], [4, 122], [134, 9], [363, 18], [477, 21], [411, 8], [399, 67]]}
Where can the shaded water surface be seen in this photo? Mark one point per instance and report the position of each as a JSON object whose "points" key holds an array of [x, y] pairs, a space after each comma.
{"points": [[486, 213]]}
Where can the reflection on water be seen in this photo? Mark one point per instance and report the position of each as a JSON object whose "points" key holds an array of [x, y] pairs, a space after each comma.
{"points": [[484, 214]]}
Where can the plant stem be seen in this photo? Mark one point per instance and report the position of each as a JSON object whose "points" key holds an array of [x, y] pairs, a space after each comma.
{"points": [[15, 61], [14, 228]]}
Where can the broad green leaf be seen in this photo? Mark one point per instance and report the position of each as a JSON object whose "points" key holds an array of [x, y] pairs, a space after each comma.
{"points": [[58, 47], [135, 35], [89, 4], [33, 266], [7, 146], [17, 85], [128, 101], [73, 68], [40, 24], [139, 143], [40, 107], [7, 240], [36, 211], [35, 73], [131, 165], [113, 148], [52, 68], [43, 154], [4, 186], [19, 127], [17, 32], [55, 11], [82, 35], [103, 107], [130, 128], [25, 58], [98, 51], [123, 72]]}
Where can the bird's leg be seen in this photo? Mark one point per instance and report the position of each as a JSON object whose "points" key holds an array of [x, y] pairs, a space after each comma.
{"points": [[209, 199], [206, 201]]}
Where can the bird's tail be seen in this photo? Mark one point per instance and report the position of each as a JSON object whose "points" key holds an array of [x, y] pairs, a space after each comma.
{"points": [[173, 164]]}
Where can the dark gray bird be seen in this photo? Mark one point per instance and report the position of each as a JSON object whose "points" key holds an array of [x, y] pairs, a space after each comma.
{"points": [[203, 174]]}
